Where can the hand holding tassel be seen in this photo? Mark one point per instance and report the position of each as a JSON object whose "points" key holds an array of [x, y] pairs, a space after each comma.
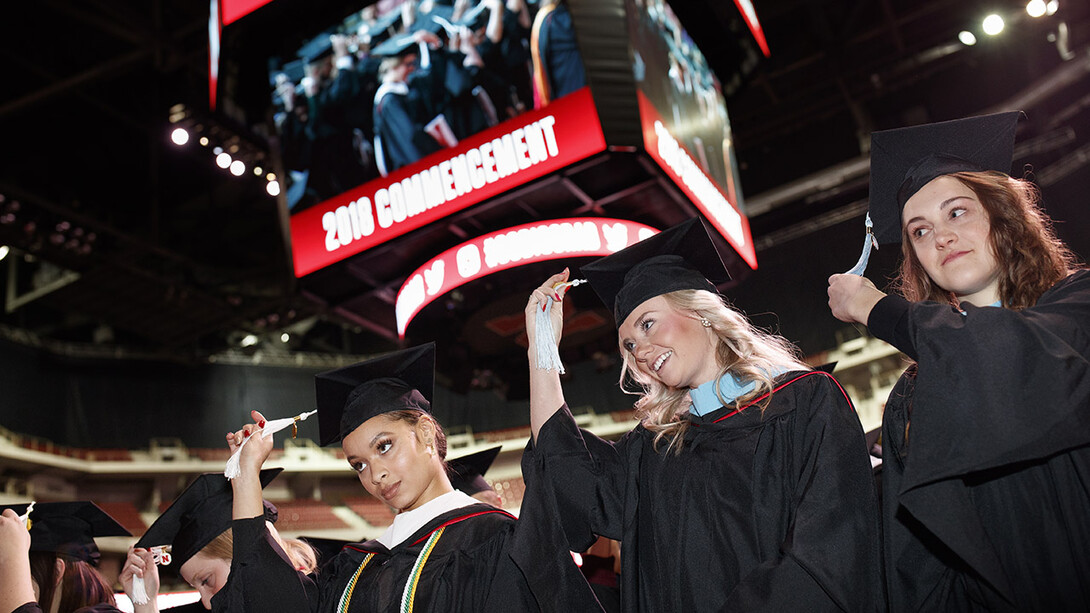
{"points": [[545, 321]]}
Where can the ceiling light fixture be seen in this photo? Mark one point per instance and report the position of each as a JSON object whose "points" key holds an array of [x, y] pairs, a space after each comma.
{"points": [[992, 24]]}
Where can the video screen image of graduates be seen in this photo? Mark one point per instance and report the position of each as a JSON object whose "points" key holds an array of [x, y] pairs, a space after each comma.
{"points": [[396, 81]]}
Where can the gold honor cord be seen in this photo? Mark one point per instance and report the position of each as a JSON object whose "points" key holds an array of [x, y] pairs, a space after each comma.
{"points": [[418, 568], [410, 586], [346, 597]]}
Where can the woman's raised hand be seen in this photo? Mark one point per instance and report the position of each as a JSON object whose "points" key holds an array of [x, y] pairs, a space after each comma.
{"points": [[851, 297], [539, 301], [257, 450], [140, 563]]}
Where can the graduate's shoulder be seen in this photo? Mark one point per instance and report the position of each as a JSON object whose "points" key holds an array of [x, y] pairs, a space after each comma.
{"points": [[808, 385]]}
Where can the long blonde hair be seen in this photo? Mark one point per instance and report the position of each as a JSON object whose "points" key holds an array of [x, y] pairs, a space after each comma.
{"points": [[743, 350]]}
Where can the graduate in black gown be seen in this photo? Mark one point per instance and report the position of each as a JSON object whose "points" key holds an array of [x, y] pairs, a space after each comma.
{"points": [[986, 438], [223, 545], [467, 475], [445, 551], [52, 566], [746, 486]]}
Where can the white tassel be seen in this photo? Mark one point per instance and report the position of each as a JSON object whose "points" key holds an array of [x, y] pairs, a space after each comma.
{"points": [[546, 352], [139, 592], [26, 516], [271, 427], [861, 266], [159, 555]]}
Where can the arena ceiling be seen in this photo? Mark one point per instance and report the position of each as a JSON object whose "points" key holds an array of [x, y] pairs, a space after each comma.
{"points": [[186, 260]]}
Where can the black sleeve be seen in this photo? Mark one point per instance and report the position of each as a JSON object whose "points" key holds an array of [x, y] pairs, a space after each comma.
{"points": [[888, 321], [579, 477], [262, 578], [995, 386], [830, 559], [30, 607], [406, 133]]}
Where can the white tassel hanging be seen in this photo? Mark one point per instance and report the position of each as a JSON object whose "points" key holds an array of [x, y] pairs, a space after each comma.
{"points": [[26, 516], [861, 266], [159, 555], [139, 592], [546, 352], [271, 427]]}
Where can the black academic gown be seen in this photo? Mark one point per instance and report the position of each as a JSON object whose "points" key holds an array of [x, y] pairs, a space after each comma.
{"points": [[987, 501], [399, 124], [262, 578], [559, 51], [759, 512], [470, 569]]}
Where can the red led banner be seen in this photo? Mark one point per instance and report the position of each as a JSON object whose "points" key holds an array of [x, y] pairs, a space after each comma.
{"points": [[745, 7], [233, 10], [687, 175], [505, 156], [525, 244]]}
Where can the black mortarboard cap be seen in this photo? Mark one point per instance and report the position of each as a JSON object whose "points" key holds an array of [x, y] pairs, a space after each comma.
{"points": [[427, 21], [467, 472], [349, 396], [827, 367], [317, 48], [295, 70], [680, 257], [384, 22], [69, 528], [476, 16], [395, 46], [198, 515], [905, 159]]}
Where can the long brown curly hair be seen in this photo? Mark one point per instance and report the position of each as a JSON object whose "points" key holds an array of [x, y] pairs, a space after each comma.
{"points": [[1031, 258]]}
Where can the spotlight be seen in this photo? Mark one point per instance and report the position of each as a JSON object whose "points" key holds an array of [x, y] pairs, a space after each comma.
{"points": [[237, 168], [179, 136], [1036, 8], [258, 171], [285, 337], [4, 250], [217, 150], [993, 24], [223, 160], [271, 176], [203, 141], [1052, 7], [967, 38], [249, 340], [273, 188]]}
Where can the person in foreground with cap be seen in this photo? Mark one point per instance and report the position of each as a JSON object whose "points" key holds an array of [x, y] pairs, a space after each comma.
{"points": [[745, 487], [50, 567], [445, 551], [986, 438], [225, 546]]}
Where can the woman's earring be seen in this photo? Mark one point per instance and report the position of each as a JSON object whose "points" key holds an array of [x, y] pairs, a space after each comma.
{"points": [[704, 322]]}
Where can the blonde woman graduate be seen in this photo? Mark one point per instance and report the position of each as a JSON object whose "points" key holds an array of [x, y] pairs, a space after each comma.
{"points": [[746, 485], [225, 546]]}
